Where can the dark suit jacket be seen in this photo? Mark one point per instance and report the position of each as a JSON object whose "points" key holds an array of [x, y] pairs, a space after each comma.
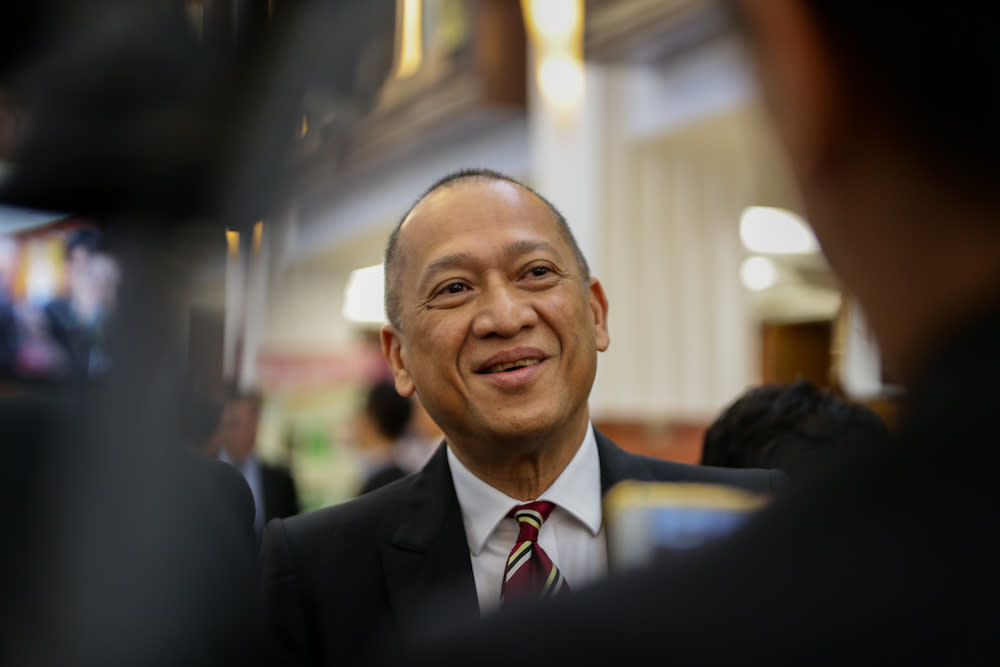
{"points": [[280, 497], [369, 571], [386, 474], [890, 558]]}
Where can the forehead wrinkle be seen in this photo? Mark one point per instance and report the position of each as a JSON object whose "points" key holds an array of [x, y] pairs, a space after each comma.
{"points": [[524, 246]]}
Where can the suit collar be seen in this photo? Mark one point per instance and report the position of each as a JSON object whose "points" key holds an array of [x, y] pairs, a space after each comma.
{"points": [[430, 500], [432, 506], [427, 559], [618, 465]]}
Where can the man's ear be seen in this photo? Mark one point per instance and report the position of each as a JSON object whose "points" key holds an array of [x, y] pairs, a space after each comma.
{"points": [[392, 350], [803, 87], [599, 307]]}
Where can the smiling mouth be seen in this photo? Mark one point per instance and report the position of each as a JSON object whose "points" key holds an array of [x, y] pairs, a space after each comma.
{"points": [[510, 366]]}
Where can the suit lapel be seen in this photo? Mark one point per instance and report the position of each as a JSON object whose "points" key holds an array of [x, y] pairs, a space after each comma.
{"points": [[428, 555]]}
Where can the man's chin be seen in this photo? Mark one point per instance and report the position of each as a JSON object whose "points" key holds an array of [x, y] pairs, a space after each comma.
{"points": [[524, 432]]}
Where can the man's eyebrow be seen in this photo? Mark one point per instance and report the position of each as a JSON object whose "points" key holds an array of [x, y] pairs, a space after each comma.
{"points": [[514, 249], [444, 263]]}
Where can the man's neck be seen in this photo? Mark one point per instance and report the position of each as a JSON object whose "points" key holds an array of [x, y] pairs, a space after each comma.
{"points": [[526, 475]]}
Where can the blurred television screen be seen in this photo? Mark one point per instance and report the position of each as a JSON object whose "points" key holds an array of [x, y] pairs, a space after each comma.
{"points": [[58, 291]]}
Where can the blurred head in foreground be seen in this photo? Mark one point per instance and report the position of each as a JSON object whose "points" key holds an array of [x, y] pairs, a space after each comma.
{"points": [[787, 426], [897, 176]]}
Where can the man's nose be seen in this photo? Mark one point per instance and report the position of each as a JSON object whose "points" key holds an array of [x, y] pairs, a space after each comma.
{"points": [[503, 311]]}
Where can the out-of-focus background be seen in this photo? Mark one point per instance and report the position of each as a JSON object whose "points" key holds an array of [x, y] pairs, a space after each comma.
{"points": [[636, 118]]}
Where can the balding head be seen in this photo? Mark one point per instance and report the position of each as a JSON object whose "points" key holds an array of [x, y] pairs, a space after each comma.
{"points": [[395, 260]]}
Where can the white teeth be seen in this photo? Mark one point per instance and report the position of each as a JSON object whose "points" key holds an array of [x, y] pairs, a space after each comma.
{"points": [[513, 364]]}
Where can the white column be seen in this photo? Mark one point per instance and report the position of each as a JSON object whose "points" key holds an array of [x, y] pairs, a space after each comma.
{"points": [[566, 157], [683, 343], [235, 301], [256, 303]]}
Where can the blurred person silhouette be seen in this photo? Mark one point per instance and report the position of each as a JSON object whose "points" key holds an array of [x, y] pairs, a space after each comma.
{"points": [[496, 324], [889, 558], [76, 318], [202, 417], [379, 426], [273, 487], [795, 427], [126, 550], [421, 438]]}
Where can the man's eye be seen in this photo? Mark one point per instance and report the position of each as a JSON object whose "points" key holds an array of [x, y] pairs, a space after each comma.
{"points": [[539, 271], [453, 288]]}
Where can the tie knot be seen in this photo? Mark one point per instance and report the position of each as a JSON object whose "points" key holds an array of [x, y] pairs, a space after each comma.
{"points": [[530, 517]]}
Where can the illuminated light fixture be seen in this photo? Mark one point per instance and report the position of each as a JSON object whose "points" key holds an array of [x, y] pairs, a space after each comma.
{"points": [[233, 241], [363, 296], [758, 273], [776, 231], [258, 233], [556, 31], [561, 78], [554, 20], [409, 37]]}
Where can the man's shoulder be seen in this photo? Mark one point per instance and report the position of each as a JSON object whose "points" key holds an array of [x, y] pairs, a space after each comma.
{"points": [[751, 479], [377, 511], [664, 470]]}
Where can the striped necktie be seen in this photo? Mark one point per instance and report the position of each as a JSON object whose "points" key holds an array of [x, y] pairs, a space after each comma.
{"points": [[530, 572]]}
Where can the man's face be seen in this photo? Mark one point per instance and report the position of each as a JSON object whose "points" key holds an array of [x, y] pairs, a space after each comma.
{"points": [[239, 429], [499, 332]]}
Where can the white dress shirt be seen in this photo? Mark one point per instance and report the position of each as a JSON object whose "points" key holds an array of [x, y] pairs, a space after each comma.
{"points": [[572, 536]]}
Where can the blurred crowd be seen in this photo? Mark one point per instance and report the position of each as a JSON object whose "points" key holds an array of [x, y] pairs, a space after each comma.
{"points": [[57, 295]]}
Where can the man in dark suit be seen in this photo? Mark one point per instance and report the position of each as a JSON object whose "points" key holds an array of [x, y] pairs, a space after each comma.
{"points": [[890, 558], [379, 426], [273, 487], [496, 323]]}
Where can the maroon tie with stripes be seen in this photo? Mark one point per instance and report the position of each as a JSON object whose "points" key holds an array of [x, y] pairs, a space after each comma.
{"points": [[530, 572]]}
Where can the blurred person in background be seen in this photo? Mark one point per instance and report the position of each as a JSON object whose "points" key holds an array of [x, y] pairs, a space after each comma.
{"points": [[75, 318], [202, 417], [421, 438], [496, 323], [887, 115], [273, 487], [9, 335], [795, 427], [379, 426]]}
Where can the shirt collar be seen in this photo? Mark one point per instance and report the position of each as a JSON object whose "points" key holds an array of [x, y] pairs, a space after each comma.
{"points": [[249, 463], [577, 490]]}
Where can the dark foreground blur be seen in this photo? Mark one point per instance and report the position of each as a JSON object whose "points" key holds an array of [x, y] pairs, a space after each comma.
{"points": [[126, 549]]}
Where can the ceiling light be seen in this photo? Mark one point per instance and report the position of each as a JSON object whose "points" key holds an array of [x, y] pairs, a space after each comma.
{"points": [[561, 81], [776, 231], [363, 296], [554, 20], [758, 273]]}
